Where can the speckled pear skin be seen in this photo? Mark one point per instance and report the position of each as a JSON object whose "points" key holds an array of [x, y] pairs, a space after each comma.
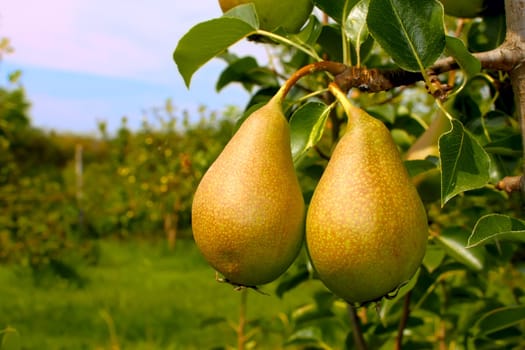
{"points": [[248, 210], [366, 227]]}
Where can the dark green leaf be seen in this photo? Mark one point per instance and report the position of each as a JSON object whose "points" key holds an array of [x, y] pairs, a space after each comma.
{"points": [[457, 49], [410, 31], [487, 34], [464, 163], [291, 281], [247, 72], [307, 126], [330, 41], [335, 9], [496, 227], [212, 321], [418, 166], [499, 319], [454, 241], [205, 41], [508, 146]]}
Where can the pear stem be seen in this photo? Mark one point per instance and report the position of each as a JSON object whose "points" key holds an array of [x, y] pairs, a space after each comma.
{"points": [[403, 321], [241, 338], [343, 99], [331, 67], [359, 340]]}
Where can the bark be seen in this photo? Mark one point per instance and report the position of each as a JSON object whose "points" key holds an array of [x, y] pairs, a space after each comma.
{"points": [[515, 15]]}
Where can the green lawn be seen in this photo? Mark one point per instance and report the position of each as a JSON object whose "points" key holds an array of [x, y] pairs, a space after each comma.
{"points": [[140, 296]]}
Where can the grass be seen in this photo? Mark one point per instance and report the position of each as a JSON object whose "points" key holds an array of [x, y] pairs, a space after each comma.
{"points": [[140, 296]]}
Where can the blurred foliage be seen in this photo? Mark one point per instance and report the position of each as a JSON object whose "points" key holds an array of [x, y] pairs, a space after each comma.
{"points": [[61, 192]]}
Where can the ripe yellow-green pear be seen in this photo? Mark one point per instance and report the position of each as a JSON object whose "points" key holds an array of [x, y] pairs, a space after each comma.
{"points": [[291, 15], [248, 209], [366, 227]]}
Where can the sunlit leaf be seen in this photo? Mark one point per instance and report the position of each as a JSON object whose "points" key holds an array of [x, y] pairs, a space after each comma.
{"points": [[245, 12], [355, 26], [465, 164], [309, 335], [411, 31], [205, 41], [9, 339], [457, 49], [454, 241], [433, 257], [307, 126], [496, 227], [309, 34], [499, 319]]}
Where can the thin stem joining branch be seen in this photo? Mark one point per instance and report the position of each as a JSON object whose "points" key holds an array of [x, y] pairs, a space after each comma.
{"points": [[505, 58], [359, 340], [403, 322]]}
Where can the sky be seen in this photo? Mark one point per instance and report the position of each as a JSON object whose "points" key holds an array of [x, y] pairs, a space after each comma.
{"points": [[85, 61]]}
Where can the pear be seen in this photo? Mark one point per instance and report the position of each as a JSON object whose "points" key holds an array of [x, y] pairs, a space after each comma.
{"points": [[366, 227], [290, 15], [248, 209]]}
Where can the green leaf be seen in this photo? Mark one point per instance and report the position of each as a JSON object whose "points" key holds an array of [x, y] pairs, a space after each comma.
{"points": [[335, 9], [9, 339], [330, 42], [499, 319], [487, 34], [465, 164], [247, 72], [309, 34], [507, 146], [453, 240], [307, 126], [387, 304], [244, 12], [205, 41], [292, 280], [496, 227], [457, 49], [433, 257], [355, 26], [410, 31], [418, 166], [309, 335]]}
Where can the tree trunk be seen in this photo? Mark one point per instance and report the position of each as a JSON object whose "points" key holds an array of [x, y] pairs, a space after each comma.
{"points": [[515, 15]]}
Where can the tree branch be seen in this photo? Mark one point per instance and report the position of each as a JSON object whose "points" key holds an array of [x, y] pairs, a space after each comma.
{"points": [[505, 58], [510, 184], [515, 17]]}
